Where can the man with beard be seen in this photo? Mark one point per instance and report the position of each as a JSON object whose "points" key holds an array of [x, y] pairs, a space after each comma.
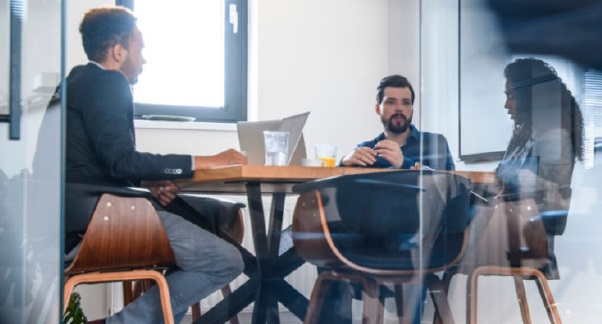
{"points": [[399, 146]]}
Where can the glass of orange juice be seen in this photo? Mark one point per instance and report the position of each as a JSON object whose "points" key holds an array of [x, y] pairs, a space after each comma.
{"points": [[327, 153]]}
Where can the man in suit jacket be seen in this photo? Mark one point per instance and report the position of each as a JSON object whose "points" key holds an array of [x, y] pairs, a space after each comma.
{"points": [[101, 150]]}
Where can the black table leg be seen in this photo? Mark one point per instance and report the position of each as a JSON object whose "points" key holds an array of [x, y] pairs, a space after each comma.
{"points": [[266, 285], [234, 304]]}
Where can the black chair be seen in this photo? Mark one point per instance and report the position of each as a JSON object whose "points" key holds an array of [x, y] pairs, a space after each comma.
{"points": [[378, 229]]}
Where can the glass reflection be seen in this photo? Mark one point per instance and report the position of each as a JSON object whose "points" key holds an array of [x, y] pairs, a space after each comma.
{"points": [[549, 150], [30, 191]]}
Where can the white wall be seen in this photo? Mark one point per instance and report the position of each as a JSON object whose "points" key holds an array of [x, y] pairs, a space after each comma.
{"points": [[323, 56]]}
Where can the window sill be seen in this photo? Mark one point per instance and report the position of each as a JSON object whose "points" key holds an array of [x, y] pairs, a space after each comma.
{"points": [[153, 124]]}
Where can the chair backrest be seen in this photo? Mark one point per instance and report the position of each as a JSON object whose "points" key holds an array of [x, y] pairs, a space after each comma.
{"points": [[123, 233], [223, 213], [381, 222]]}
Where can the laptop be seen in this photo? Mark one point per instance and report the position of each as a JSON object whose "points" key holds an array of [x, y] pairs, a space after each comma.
{"points": [[250, 137]]}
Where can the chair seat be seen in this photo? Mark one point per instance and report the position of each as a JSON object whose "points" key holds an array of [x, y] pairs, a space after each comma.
{"points": [[389, 257]]}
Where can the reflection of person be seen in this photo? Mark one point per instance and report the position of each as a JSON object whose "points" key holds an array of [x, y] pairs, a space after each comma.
{"points": [[101, 151], [547, 135], [539, 161], [399, 146]]}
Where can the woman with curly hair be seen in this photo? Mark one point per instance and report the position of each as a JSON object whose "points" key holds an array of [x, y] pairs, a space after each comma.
{"points": [[547, 136]]}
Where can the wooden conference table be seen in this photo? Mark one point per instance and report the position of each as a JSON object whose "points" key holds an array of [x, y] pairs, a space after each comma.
{"points": [[266, 269]]}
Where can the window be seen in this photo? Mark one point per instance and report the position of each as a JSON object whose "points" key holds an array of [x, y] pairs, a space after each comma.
{"points": [[196, 54]]}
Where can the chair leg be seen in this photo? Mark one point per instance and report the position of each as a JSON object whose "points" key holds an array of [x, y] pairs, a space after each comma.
{"points": [[373, 305], [547, 298], [542, 284], [196, 311], [128, 292], [471, 297], [226, 291], [399, 302], [67, 291], [96, 277], [316, 302], [439, 296], [521, 296], [196, 307], [447, 278]]}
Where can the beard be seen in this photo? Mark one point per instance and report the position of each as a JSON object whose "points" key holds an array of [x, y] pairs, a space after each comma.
{"points": [[397, 128], [130, 71]]}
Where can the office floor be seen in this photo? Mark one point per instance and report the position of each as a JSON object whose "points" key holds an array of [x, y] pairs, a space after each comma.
{"points": [[289, 318], [245, 318]]}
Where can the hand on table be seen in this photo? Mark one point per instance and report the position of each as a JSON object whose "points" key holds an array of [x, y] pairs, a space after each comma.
{"points": [[362, 156], [228, 157]]}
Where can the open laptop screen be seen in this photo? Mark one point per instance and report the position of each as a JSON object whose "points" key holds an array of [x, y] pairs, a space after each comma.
{"points": [[250, 137]]}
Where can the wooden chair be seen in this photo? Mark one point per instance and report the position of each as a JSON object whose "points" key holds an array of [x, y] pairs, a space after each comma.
{"points": [[337, 221], [228, 217], [521, 246], [125, 240], [530, 253]]}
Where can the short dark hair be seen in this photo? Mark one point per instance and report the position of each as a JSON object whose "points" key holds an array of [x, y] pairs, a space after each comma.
{"points": [[395, 81], [103, 28]]}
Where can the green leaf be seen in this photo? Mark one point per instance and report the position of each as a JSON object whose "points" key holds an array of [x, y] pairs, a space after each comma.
{"points": [[74, 313]]}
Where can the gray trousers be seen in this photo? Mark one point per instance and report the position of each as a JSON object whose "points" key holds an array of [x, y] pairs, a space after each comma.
{"points": [[206, 263]]}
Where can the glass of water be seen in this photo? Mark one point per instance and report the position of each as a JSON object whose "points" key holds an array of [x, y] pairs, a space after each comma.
{"points": [[276, 148]]}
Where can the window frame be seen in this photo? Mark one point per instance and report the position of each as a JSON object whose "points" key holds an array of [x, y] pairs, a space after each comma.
{"points": [[235, 75]]}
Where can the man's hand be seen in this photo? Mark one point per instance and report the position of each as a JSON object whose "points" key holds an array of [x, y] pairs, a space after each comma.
{"points": [[228, 157], [163, 191], [390, 151], [362, 156]]}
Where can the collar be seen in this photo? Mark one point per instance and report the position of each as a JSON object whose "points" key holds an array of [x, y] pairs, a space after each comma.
{"points": [[97, 64], [414, 133]]}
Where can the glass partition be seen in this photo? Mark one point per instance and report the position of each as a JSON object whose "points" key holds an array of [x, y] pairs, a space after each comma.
{"points": [[30, 168], [522, 103]]}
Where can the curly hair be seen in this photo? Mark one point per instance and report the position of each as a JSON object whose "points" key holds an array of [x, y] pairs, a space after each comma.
{"points": [[102, 28], [524, 73]]}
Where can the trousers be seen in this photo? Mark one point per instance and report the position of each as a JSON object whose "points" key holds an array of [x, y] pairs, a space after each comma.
{"points": [[205, 263]]}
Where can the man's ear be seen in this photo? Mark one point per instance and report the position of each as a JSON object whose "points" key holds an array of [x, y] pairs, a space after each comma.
{"points": [[377, 109], [118, 53]]}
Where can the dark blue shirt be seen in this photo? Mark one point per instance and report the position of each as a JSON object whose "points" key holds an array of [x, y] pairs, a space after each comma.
{"points": [[435, 151]]}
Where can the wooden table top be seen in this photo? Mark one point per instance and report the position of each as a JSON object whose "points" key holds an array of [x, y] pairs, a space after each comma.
{"points": [[281, 178]]}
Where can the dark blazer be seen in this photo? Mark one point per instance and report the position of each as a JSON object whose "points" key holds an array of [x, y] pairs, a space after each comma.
{"points": [[101, 147], [100, 135]]}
